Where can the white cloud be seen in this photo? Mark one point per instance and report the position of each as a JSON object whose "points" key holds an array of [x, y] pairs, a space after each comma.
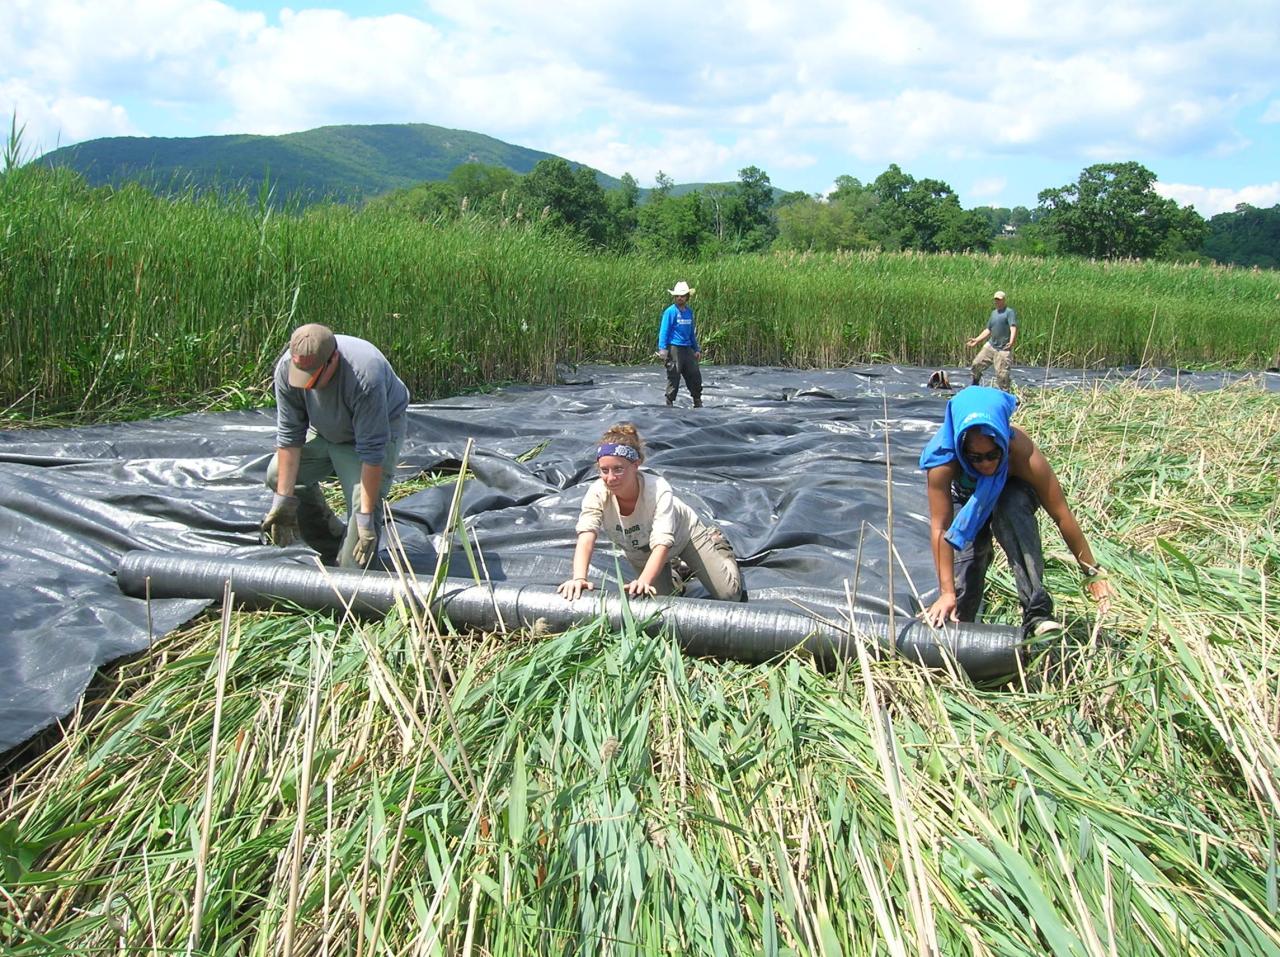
{"points": [[49, 122], [700, 89], [988, 188], [1211, 200]]}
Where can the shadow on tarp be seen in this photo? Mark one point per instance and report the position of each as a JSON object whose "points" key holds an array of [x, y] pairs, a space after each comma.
{"points": [[790, 463]]}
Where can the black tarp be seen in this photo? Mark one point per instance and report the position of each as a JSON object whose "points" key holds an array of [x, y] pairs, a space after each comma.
{"points": [[790, 463]]}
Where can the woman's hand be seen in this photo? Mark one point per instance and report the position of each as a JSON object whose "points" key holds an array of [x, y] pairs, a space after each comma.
{"points": [[572, 589], [941, 611], [640, 588]]}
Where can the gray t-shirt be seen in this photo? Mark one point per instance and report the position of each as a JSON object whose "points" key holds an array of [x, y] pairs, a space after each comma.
{"points": [[1000, 323], [357, 406]]}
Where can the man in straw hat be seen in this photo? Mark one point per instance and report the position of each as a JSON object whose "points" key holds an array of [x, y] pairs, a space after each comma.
{"points": [[345, 392], [678, 346], [997, 344]]}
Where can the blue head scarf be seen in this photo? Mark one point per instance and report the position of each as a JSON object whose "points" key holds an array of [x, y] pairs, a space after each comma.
{"points": [[988, 410]]}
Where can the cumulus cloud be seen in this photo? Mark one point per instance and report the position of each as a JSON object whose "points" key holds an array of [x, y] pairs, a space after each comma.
{"points": [[699, 89], [48, 122], [1211, 200]]}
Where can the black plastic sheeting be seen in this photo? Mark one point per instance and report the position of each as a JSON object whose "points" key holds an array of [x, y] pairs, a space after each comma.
{"points": [[705, 628], [790, 463]]}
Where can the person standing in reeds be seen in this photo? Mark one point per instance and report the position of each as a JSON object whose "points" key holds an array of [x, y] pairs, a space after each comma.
{"points": [[997, 344], [986, 478], [656, 531], [347, 394], [678, 346]]}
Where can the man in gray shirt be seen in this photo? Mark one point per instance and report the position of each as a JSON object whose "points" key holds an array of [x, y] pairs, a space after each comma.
{"points": [[997, 344], [339, 411]]}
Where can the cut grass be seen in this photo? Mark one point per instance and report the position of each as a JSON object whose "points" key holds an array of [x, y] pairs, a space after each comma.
{"points": [[597, 792]]}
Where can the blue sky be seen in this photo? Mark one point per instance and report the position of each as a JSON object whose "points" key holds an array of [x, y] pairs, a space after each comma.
{"points": [[999, 98]]}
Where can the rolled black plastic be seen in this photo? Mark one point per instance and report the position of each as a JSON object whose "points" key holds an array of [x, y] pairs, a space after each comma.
{"points": [[703, 628]]}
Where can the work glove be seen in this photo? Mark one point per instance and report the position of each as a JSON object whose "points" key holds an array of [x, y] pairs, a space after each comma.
{"points": [[280, 526], [366, 539]]}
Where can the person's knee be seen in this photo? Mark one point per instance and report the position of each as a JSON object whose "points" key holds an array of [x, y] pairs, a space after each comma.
{"points": [[1017, 493]]}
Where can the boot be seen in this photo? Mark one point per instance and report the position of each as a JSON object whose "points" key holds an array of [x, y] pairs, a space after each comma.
{"points": [[697, 403], [321, 528]]}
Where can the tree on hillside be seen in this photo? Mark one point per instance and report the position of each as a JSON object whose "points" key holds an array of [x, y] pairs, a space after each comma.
{"points": [[559, 195], [475, 188], [485, 188], [1113, 211], [1249, 236], [428, 202]]}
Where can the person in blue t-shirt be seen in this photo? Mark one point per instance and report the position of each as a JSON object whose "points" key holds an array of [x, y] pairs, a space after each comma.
{"points": [[678, 346]]}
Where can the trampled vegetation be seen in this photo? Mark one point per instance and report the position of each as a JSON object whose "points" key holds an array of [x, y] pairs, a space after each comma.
{"points": [[113, 298], [339, 788]]}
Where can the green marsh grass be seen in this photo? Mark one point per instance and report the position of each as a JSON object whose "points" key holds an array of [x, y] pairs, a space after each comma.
{"points": [[393, 788], [118, 300]]}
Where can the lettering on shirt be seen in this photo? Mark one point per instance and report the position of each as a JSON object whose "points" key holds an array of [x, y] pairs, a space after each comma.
{"points": [[629, 533]]}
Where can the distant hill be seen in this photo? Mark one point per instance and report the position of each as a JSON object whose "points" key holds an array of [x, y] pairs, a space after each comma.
{"points": [[344, 163]]}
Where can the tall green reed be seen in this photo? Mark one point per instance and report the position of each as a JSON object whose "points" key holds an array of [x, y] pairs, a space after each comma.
{"points": [[117, 300], [393, 788]]}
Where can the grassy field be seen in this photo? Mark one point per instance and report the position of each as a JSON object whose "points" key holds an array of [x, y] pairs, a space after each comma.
{"points": [[113, 299], [286, 783]]}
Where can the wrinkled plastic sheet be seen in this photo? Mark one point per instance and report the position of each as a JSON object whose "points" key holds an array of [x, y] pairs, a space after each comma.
{"points": [[794, 465]]}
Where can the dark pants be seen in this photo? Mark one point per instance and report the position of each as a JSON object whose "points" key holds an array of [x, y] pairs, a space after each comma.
{"points": [[321, 460], [1013, 524], [680, 362]]}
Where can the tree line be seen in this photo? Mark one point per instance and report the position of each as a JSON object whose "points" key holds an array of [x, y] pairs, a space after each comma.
{"points": [[1111, 211]]}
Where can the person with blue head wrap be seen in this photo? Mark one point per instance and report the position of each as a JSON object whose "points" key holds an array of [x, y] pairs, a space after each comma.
{"points": [[985, 479]]}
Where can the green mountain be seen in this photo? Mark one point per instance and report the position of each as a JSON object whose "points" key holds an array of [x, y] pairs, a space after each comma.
{"points": [[344, 163]]}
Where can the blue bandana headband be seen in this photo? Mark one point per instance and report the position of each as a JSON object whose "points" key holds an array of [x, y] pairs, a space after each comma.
{"points": [[621, 451]]}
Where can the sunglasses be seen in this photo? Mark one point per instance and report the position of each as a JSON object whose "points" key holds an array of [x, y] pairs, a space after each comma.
{"points": [[311, 383], [977, 458]]}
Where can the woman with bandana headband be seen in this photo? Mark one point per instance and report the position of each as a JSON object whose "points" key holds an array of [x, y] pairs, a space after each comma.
{"points": [[655, 530]]}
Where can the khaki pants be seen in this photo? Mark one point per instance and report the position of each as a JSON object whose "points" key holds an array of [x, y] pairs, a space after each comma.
{"points": [[711, 560], [1003, 359]]}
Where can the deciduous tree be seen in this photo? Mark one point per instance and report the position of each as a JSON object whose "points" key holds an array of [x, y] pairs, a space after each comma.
{"points": [[1113, 211]]}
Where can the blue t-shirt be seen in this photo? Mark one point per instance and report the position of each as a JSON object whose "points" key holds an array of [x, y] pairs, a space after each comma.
{"points": [[677, 328]]}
